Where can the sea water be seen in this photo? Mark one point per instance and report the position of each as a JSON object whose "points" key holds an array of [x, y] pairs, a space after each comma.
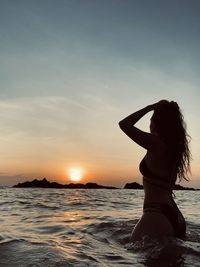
{"points": [[88, 227]]}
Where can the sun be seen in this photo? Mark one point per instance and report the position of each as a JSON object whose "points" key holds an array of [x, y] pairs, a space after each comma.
{"points": [[75, 174]]}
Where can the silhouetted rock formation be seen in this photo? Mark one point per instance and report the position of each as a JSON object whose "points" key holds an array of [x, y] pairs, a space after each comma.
{"points": [[179, 187], [135, 185], [46, 184]]}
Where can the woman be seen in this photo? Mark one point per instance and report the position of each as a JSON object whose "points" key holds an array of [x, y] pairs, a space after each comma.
{"points": [[167, 158]]}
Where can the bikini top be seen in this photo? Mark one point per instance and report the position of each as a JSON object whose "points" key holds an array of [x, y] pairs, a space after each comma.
{"points": [[153, 178]]}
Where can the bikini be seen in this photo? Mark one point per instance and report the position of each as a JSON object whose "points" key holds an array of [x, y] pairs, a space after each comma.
{"points": [[172, 212]]}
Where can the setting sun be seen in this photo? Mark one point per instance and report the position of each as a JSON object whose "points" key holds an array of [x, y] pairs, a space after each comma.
{"points": [[75, 174]]}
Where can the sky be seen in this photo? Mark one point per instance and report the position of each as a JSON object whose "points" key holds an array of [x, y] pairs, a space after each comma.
{"points": [[71, 70]]}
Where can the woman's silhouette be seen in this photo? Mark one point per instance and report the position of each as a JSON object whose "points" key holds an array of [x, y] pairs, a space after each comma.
{"points": [[167, 158]]}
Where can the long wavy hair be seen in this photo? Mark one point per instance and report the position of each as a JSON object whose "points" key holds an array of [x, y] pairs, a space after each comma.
{"points": [[170, 125]]}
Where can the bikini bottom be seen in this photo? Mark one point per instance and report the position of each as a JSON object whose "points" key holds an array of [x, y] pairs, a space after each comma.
{"points": [[172, 213]]}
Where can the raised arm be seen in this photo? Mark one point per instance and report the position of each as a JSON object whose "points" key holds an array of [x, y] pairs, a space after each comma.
{"points": [[149, 141]]}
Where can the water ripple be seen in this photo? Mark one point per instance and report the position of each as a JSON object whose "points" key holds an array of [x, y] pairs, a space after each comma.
{"points": [[88, 228]]}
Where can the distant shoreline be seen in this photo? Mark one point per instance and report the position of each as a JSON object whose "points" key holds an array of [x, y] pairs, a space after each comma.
{"points": [[135, 185], [44, 183]]}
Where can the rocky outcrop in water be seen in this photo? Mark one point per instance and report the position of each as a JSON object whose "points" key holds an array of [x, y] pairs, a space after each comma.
{"points": [[46, 184], [179, 187], [135, 185]]}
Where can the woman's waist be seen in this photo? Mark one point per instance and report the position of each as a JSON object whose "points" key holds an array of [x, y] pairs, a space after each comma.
{"points": [[157, 205], [157, 184], [157, 195], [158, 201]]}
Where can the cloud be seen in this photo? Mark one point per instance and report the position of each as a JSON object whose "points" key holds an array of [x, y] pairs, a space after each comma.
{"points": [[39, 115]]}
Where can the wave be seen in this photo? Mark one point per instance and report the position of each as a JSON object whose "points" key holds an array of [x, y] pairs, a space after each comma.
{"points": [[45, 206], [149, 252], [120, 232], [86, 228], [6, 203], [101, 243], [9, 240]]}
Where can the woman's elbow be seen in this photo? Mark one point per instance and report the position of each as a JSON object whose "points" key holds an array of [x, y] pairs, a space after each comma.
{"points": [[121, 125]]}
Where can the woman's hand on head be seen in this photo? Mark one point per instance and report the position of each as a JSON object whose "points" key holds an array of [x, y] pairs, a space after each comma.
{"points": [[152, 107], [159, 104]]}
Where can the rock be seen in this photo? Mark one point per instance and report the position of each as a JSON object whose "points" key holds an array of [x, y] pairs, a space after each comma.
{"points": [[133, 185], [44, 183]]}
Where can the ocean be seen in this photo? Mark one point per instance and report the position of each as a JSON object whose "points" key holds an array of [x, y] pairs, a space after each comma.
{"points": [[89, 227]]}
